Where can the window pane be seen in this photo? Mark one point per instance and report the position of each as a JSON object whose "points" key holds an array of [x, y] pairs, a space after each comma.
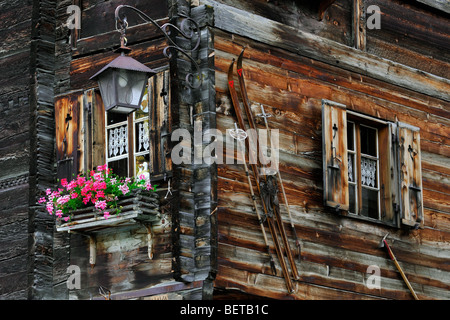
{"points": [[369, 203], [130, 86], [350, 136], [117, 141], [113, 118], [369, 172], [143, 111], [142, 166], [368, 141], [351, 168], [141, 135], [352, 198], [119, 167]]}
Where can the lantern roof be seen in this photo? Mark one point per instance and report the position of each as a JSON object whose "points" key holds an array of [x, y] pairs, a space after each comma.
{"points": [[127, 63]]}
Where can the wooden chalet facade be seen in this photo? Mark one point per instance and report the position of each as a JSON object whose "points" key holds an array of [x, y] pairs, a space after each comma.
{"points": [[363, 120]]}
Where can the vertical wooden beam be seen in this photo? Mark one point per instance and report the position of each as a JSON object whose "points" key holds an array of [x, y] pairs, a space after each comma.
{"points": [[98, 130], [359, 25]]}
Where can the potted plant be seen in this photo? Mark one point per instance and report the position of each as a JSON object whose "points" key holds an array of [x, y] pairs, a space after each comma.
{"points": [[100, 199]]}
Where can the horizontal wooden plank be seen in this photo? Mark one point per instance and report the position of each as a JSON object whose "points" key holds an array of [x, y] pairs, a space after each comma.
{"points": [[111, 39], [339, 269]]}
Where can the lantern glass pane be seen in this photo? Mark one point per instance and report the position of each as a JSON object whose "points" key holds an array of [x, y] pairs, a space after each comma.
{"points": [[142, 112], [106, 85], [130, 85]]}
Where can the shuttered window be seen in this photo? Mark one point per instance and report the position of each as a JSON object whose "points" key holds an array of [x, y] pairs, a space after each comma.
{"points": [[132, 145], [371, 167]]}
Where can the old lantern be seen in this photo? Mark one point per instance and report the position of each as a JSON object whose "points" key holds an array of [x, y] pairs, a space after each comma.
{"points": [[122, 83]]}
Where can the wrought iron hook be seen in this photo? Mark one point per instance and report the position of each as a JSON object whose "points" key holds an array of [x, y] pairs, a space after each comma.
{"points": [[185, 30]]}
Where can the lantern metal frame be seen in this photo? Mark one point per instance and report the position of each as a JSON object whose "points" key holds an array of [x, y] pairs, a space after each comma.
{"points": [[115, 102]]}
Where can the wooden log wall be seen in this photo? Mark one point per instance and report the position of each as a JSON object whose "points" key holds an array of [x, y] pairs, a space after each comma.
{"points": [[26, 146], [14, 148], [290, 82]]}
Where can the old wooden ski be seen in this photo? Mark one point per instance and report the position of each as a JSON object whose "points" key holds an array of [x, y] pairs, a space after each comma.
{"points": [[269, 181], [267, 213], [264, 115], [240, 135]]}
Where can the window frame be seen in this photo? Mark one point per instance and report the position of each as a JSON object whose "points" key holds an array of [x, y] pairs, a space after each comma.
{"points": [[399, 173], [357, 120], [131, 155]]}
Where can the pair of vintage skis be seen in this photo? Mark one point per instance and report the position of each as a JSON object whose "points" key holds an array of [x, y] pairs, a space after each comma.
{"points": [[267, 185]]}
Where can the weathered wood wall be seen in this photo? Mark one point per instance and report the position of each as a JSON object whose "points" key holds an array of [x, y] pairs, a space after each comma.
{"points": [[14, 147], [26, 145], [290, 79]]}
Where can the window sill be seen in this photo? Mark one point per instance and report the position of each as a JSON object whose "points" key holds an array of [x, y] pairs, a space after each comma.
{"points": [[371, 220]]}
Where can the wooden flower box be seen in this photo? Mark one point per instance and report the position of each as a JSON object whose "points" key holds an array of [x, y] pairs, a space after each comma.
{"points": [[138, 207]]}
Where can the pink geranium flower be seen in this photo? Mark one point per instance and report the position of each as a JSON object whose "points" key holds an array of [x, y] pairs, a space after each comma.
{"points": [[103, 167], [100, 204], [124, 188], [100, 194], [63, 199], [72, 184], [49, 207]]}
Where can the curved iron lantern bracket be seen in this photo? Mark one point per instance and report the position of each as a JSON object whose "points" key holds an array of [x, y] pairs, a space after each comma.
{"points": [[188, 29]]}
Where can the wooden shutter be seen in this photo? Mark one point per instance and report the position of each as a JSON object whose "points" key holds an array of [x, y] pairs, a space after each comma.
{"points": [[389, 191], [67, 110], [94, 130], [410, 175], [160, 125], [335, 161]]}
